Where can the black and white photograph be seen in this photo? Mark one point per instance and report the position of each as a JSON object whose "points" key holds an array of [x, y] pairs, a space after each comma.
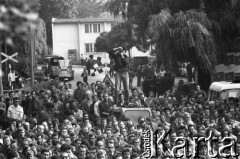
{"points": [[120, 79]]}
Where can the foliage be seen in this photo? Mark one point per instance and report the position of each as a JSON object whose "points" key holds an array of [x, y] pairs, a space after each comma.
{"points": [[138, 12], [17, 18], [89, 8], [43, 85], [41, 39], [183, 37], [120, 35], [56, 9], [23, 67], [102, 43], [39, 75], [117, 7], [64, 9]]}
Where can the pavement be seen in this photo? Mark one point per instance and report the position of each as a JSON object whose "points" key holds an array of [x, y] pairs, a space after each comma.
{"points": [[92, 79]]}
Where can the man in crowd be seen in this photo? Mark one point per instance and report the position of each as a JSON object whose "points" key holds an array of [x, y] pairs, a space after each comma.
{"points": [[15, 111]]}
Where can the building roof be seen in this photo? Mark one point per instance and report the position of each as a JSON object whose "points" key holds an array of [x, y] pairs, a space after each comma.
{"points": [[85, 20]]}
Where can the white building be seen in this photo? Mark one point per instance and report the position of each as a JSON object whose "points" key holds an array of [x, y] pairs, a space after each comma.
{"points": [[75, 38]]}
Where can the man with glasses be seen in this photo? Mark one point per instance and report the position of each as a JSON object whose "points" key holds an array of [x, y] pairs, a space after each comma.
{"points": [[15, 111]]}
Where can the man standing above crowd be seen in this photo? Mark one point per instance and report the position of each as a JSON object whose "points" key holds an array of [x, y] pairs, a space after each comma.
{"points": [[121, 67], [15, 111]]}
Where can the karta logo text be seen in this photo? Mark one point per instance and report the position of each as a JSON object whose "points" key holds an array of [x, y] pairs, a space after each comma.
{"points": [[183, 147]]}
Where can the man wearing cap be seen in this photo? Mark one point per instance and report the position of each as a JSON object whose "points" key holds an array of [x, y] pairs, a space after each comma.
{"points": [[15, 111]]}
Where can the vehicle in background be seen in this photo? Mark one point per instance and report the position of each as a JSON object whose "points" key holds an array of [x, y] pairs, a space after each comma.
{"points": [[52, 66], [224, 90], [66, 72]]}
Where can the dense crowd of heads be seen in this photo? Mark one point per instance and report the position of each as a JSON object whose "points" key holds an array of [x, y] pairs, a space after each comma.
{"points": [[86, 123]]}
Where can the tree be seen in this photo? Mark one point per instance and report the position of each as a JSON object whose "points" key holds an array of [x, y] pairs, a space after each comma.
{"points": [[56, 9], [17, 18], [138, 12], [120, 35], [103, 42], [184, 37], [89, 8], [65, 9]]}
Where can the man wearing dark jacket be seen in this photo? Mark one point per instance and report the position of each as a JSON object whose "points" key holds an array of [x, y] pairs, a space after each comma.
{"points": [[121, 67], [30, 104]]}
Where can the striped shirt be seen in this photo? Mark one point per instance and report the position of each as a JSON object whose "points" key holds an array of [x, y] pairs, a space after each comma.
{"points": [[15, 112]]}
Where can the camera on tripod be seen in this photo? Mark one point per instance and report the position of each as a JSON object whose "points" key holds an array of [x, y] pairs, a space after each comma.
{"points": [[119, 57], [117, 52]]}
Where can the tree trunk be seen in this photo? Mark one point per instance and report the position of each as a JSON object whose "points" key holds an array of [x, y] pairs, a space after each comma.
{"points": [[201, 5], [196, 74]]}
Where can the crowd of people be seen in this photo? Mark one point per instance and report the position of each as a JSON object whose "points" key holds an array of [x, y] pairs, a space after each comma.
{"points": [[86, 123]]}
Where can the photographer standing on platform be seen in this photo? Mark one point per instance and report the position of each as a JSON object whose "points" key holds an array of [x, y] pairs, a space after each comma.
{"points": [[121, 67]]}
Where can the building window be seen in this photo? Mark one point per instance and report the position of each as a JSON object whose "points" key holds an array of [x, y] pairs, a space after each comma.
{"points": [[92, 28], [88, 28], [72, 54], [96, 28], [90, 48]]}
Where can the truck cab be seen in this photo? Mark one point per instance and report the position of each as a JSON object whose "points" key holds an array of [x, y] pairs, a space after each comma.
{"points": [[66, 72]]}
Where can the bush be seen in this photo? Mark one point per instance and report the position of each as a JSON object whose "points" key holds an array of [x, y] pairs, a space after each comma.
{"points": [[45, 85], [39, 75], [23, 67], [40, 61]]}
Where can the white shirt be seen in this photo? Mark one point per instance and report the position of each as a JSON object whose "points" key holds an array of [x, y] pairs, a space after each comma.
{"points": [[15, 112], [96, 108]]}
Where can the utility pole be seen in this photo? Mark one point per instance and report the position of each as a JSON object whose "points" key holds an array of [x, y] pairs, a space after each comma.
{"points": [[32, 55], [1, 85], [6, 52]]}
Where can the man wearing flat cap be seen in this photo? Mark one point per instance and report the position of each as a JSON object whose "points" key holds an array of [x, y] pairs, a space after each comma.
{"points": [[15, 111]]}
